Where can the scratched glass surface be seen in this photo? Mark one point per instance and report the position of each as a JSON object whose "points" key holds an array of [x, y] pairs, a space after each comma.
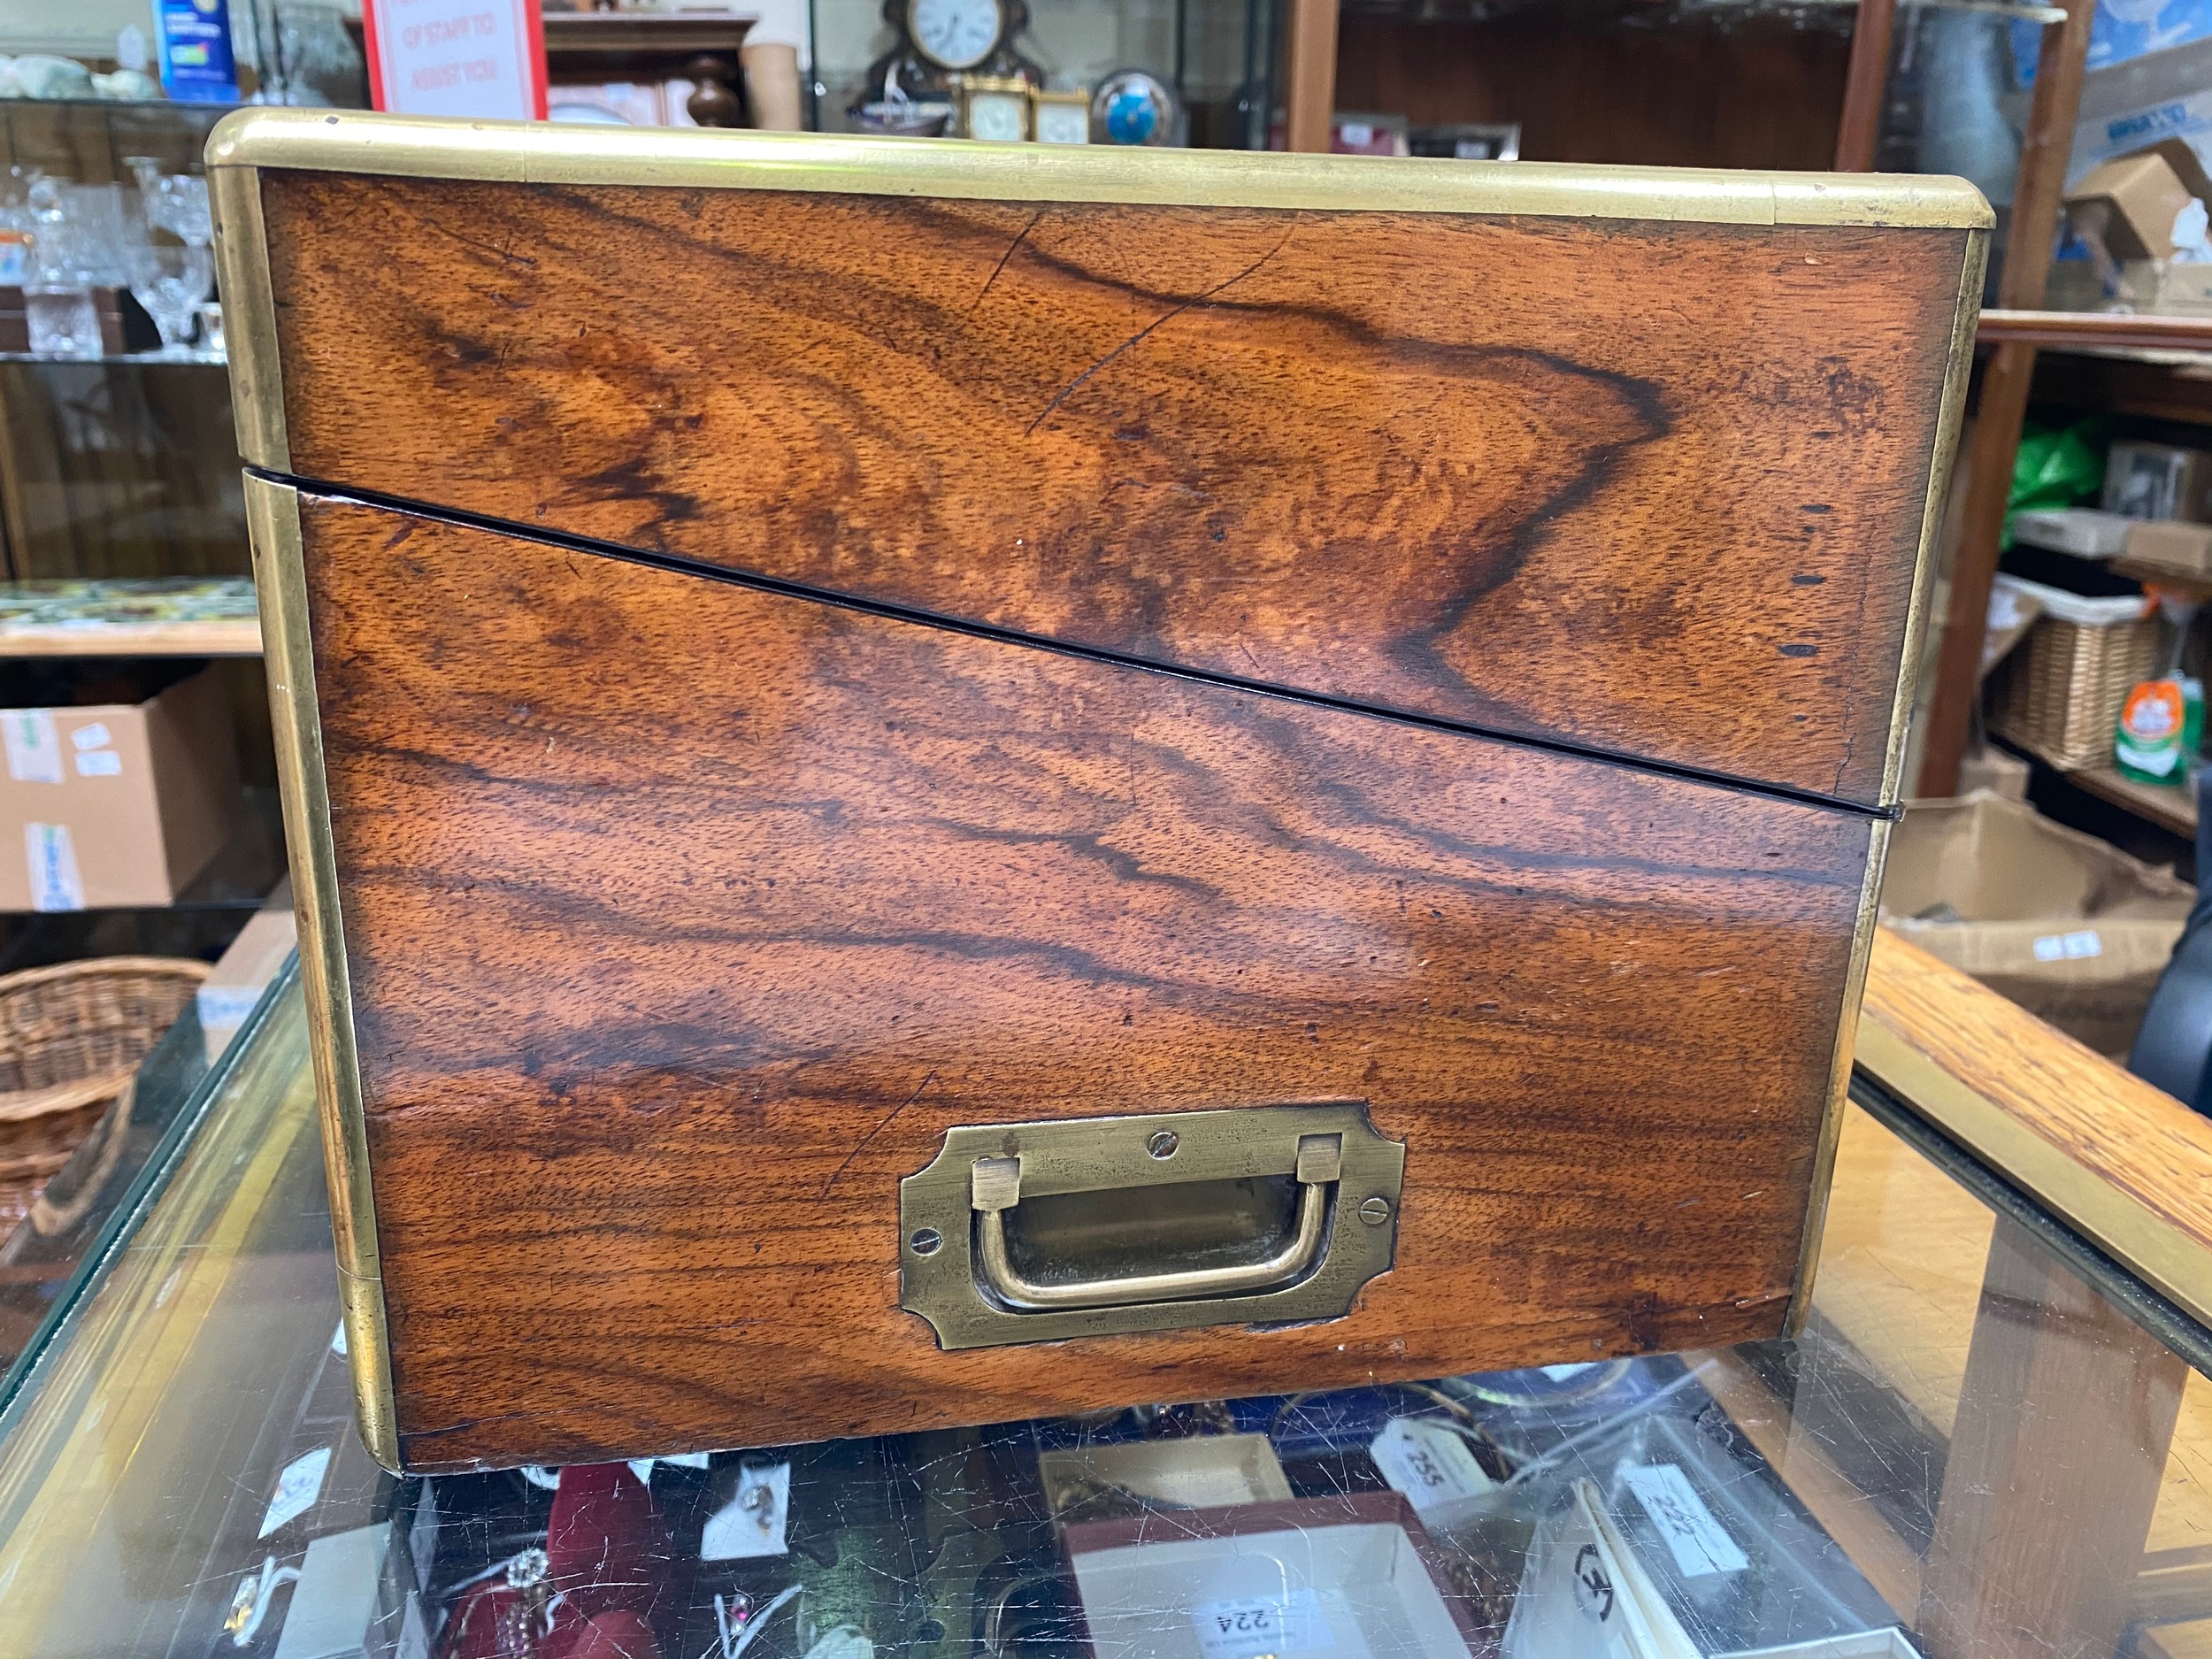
{"points": [[1969, 1451]]}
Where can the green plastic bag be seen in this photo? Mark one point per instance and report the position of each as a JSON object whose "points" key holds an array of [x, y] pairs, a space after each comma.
{"points": [[2058, 466]]}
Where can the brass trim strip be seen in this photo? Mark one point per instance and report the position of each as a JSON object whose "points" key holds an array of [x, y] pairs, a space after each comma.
{"points": [[541, 152], [257, 379], [1950, 418], [2165, 1256], [1848, 1029], [272, 521]]}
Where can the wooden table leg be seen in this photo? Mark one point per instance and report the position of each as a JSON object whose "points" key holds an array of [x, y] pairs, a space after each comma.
{"points": [[1309, 104], [2060, 1441]]}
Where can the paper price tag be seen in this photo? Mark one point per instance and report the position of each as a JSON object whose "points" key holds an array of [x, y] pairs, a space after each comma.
{"points": [[1700, 1544], [1251, 1627], [1428, 1463], [297, 1490], [34, 746], [751, 1524]]}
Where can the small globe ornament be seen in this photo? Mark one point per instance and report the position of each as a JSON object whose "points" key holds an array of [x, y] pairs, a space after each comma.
{"points": [[1132, 107]]}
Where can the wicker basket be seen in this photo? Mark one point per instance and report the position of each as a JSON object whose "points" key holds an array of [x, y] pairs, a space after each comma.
{"points": [[2060, 690], [71, 1040]]}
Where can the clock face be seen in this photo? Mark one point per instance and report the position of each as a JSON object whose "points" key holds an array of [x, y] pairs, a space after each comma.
{"points": [[998, 117], [1063, 123], [955, 33]]}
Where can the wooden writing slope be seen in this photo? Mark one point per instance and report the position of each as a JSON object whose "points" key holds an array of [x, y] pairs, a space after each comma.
{"points": [[935, 783]]}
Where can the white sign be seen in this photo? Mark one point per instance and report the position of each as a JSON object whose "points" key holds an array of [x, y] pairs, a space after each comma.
{"points": [[1700, 1544], [479, 59]]}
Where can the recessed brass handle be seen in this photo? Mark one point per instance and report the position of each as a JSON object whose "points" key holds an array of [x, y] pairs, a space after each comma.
{"points": [[995, 1188], [1081, 1227]]}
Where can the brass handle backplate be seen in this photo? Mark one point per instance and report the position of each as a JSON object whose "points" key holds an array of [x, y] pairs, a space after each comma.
{"points": [[1116, 1216]]}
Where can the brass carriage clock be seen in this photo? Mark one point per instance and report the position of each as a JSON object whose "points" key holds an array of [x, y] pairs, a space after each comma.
{"points": [[939, 39]]}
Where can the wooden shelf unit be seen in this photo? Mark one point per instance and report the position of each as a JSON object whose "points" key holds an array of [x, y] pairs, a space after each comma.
{"points": [[2093, 331], [127, 617], [2171, 807]]}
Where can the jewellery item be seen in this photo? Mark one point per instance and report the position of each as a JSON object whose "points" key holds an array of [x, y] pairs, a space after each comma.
{"points": [[250, 1602], [523, 1622]]}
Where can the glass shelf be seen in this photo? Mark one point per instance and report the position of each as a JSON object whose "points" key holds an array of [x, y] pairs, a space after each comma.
{"points": [[193, 359]]}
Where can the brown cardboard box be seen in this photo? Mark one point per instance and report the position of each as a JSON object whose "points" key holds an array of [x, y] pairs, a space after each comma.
{"points": [[115, 804], [2158, 481], [227, 996], [2068, 926], [2128, 203], [2171, 544], [1998, 771]]}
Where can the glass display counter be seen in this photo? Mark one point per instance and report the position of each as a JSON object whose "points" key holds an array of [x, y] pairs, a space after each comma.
{"points": [[1992, 1437]]}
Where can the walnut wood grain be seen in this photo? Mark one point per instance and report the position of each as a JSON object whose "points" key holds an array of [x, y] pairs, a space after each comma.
{"points": [[2122, 1163], [683, 917], [1655, 489]]}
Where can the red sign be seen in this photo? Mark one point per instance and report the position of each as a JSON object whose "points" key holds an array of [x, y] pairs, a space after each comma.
{"points": [[480, 58]]}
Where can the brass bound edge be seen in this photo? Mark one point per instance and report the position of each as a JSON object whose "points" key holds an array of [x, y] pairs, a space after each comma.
{"points": [[1950, 417], [241, 257], [1839, 1081], [272, 521], [2168, 1257], [544, 152]]}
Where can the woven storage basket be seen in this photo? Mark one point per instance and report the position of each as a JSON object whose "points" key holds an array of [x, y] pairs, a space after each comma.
{"points": [[2062, 688], [71, 1038]]}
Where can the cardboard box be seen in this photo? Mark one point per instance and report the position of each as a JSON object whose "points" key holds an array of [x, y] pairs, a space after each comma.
{"points": [[115, 804], [2082, 531], [1211, 1472], [2168, 288], [2158, 481], [2069, 927], [1350, 1575], [244, 972], [2171, 544], [1997, 772], [2166, 92], [2128, 204]]}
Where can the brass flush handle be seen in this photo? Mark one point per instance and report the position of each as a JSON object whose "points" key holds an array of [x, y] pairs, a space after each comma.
{"points": [[994, 1187], [1088, 1227]]}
